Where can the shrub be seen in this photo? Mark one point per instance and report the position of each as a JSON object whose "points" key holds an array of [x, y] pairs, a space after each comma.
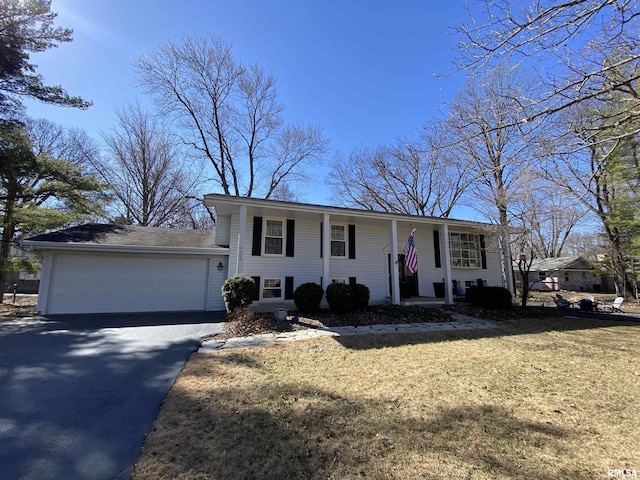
{"points": [[307, 297], [238, 291], [361, 296], [489, 297], [340, 298]]}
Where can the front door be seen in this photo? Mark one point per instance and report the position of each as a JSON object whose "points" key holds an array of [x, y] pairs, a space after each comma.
{"points": [[408, 280]]}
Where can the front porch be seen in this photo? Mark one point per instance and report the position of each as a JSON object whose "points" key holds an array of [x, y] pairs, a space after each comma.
{"points": [[422, 301]]}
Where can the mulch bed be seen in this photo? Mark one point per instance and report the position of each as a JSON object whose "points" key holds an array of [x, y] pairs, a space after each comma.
{"points": [[260, 322]]}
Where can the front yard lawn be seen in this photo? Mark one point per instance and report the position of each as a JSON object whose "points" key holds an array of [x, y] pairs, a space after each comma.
{"points": [[544, 399]]}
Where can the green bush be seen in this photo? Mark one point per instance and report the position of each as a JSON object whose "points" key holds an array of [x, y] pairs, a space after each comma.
{"points": [[489, 297], [340, 298], [361, 296], [238, 291], [307, 297]]}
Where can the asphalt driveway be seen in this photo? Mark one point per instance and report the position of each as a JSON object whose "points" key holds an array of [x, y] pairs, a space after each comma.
{"points": [[79, 393]]}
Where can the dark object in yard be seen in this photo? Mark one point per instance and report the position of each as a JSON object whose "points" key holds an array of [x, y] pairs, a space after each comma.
{"points": [[489, 297], [438, 289], [587, 306], [562, 302]]}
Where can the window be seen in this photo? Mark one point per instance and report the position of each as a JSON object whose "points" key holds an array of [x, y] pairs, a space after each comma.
{"points": [[542, 276], [272, 288], [29, 276], [273, 237], [465, 250], [338, 241], [339, 280]]}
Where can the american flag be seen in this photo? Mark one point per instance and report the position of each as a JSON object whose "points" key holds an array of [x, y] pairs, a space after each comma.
{"points": [[410, 258]]}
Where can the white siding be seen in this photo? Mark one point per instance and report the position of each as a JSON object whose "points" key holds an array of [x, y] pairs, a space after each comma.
{"points": [[373, 244], [373, 247], [216, 278], [305, 266], [223, 230]]}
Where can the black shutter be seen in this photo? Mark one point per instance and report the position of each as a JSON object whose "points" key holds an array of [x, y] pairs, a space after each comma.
{"points": [[436, 248], [288, 288], [256, 293], [321, 242], [352, 241], [352, 280], [256, 245], [483, 253], [291, 234]]}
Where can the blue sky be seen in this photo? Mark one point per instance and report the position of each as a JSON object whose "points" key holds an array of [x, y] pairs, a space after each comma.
{"points": [[363, 71]]}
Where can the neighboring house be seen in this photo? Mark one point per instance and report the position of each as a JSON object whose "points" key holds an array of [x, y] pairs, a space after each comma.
{"points": [[561, 273], [24, 282], [281, 245]]}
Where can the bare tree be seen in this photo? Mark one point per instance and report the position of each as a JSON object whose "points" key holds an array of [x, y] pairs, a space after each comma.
{"points": [[412, 177], [74, 145], [485, 136], [569, 43], [587, 243], [229, 114], [603, 175], [549, 215], [153, 187]]}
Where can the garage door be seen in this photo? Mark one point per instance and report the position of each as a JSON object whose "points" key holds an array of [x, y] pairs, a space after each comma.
{"points": [[130, 283]]}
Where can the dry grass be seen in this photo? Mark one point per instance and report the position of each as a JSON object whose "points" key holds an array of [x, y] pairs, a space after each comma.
{"points": [[545, 400], [24, 306]]}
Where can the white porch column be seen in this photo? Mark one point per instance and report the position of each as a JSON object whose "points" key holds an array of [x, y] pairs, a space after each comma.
{"points": [[446, 266], [242, 234], [326, 250], [395, 280]]}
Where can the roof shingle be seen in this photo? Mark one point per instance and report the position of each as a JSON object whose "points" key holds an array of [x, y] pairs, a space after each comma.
{"points": [[108, 234]]}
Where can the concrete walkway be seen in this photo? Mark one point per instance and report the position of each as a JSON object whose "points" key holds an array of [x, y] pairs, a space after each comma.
{"points": [[460, 322]]}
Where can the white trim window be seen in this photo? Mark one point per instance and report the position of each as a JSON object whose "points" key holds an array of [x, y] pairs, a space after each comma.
{"points": [[465, 250], [272, 289], [338, 241], [273, 236]]}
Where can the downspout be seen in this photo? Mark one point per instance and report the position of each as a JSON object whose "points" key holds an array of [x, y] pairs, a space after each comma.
{"points": [[395, 278]]}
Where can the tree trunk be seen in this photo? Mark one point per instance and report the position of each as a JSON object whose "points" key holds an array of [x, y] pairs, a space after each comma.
{"points": [[8, 230]]}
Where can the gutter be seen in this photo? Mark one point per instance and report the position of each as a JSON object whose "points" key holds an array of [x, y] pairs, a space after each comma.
{"points": [[212, 199], [148, 249]]}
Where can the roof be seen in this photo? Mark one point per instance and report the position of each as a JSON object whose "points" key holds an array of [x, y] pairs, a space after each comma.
{"points": [[97, 236], [225, 203], [559, 263]]}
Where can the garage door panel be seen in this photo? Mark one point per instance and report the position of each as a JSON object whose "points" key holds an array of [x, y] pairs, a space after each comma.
{"points": [[127, 283]]}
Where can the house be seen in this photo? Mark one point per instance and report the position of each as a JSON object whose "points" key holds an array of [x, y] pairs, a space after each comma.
{"points": [[281, 245], [23, 281], [561, 273]]}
